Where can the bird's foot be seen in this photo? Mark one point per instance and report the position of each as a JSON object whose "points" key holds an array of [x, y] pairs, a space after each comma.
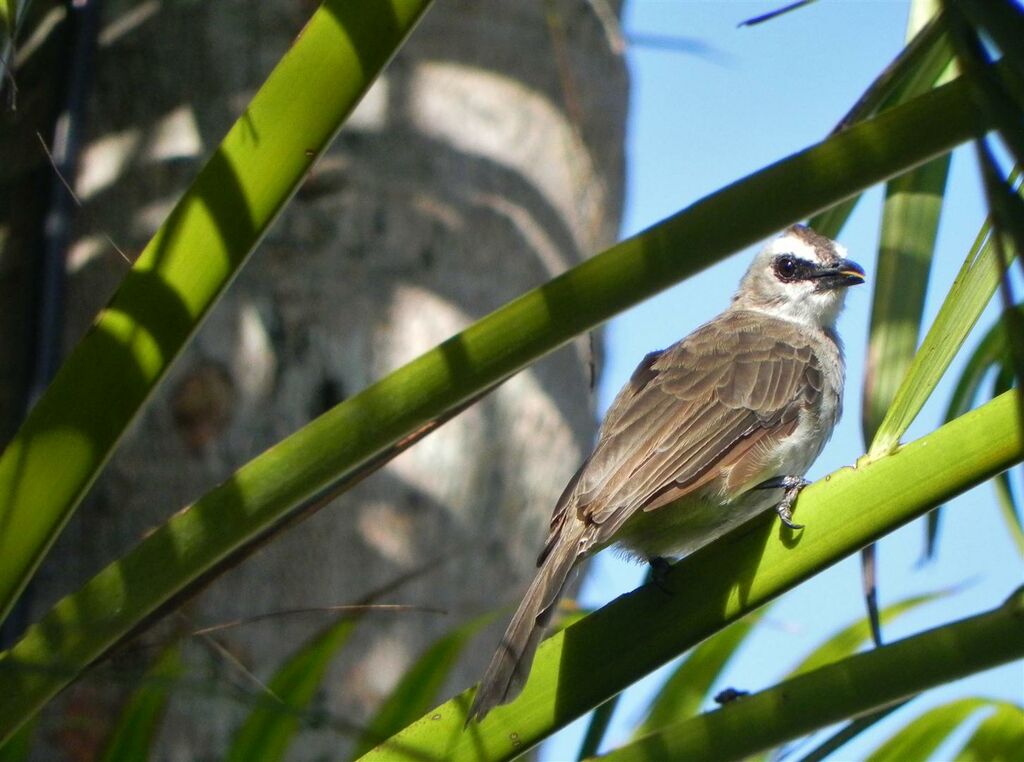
{"points": [[792, 485], [659, 573]]}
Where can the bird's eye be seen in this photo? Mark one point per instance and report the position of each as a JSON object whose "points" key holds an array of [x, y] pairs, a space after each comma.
{"points": [[785, 267]]}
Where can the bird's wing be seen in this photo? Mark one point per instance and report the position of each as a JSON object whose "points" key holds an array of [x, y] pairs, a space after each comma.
{"points": [[728, 388]]}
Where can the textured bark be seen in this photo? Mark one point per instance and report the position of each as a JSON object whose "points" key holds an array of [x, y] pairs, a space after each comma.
{"points": [[486, 160]]}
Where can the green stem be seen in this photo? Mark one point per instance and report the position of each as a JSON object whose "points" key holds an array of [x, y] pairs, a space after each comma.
{"points": [[579, 668], [862, 683], [261, 495], [74, 427], [598, 727]]}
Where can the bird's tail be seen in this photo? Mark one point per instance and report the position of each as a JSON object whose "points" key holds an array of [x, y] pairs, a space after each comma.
{"points": [[510, 665]]}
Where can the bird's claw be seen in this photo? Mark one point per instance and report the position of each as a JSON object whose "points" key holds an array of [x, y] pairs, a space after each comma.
{"points": [[792, 485], [785, 511]]}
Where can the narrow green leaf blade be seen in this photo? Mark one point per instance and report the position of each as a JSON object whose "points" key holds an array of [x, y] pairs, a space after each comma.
{"points": [[992, 351], [856, 685], [924, 62], [687, 688], [269, 729], [139, 721], [719, 583], [1001, 99], [910, 222], [1008, 505], [848, 732], [970, 293], [600, 719], [183, 271], [368, 428], [1004, 23], [417, 690], [999, 738], [18, 746], [1007, 209], [8, 20], [916, 741], [846, 642], [1010, 510]]}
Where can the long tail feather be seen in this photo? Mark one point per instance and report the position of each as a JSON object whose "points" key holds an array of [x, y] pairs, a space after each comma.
{"points": [[510, 665]]}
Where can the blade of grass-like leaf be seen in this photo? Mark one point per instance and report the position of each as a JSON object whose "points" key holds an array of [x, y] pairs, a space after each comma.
{"points": [[914, 71], [345, 443], [848, 732], [925, 61], [417, 690], [1004, 491], [716, 585], [1003, 21], [849, 639], [1008, 222], [140, 718], [917, 741], [994, 97], [1008, 218], [970, 293], [184, 269], [268, 730], [855, 685], [12, 14], [8, 32], [687, 688], [992, 351], [1010, 509], [999, 737], [910, 221], [600, 719], [18, 747]]}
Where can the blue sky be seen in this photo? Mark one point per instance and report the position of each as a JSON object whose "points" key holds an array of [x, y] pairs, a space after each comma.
{"points": [[699, 121]]}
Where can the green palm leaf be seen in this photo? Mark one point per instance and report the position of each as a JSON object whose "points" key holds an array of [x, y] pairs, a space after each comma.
{"points": [[727, 579], [183, 271], [269, 729], [418, 688], [686, 689], [363, 432], [999, 738], [137, 726], [916, 741], [866, 681]]}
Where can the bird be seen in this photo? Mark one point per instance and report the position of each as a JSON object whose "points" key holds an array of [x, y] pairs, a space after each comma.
{"points": [[706, 434]]}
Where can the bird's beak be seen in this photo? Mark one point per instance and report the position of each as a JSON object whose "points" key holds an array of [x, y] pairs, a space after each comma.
{"points": [[845, 273]]}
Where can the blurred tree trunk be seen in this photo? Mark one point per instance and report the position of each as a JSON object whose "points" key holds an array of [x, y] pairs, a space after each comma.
{"points": [[487, 159]]}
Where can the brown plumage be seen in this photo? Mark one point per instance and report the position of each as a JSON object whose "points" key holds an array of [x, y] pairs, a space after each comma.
{"points": [[751, 395]]}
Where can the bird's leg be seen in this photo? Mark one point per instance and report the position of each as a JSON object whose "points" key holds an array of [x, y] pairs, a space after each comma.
{"points": [[792, 485], [658, 573]]}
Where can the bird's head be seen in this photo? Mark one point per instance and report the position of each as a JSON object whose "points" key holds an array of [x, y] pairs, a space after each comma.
{"points": [[799, 276]]}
